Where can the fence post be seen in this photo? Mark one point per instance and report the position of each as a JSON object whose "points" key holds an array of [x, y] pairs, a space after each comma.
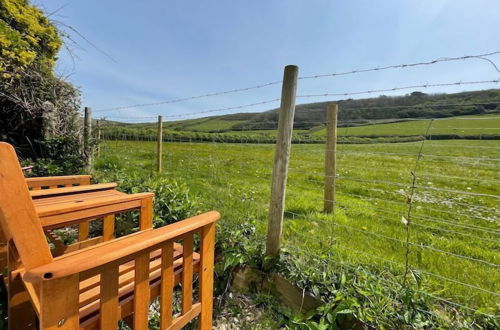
{"points": [[282, 155], [159, 145], [98, 137], [330, 157], [87, 128]]}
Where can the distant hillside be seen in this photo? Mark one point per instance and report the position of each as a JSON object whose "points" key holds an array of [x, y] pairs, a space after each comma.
{"points": [[363, 111], [310, 118]]}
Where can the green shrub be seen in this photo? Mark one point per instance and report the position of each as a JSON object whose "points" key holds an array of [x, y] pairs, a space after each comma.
{"points": [[172, 201], [59, 156]]}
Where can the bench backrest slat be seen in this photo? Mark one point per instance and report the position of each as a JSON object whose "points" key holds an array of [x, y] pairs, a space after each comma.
{"points": [[18, 217]]}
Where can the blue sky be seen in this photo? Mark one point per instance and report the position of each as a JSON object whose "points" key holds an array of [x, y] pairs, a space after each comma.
{"points": [[164, 50]]}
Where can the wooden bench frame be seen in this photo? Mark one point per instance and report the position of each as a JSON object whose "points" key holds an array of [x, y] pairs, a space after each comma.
{"points": [[47, 290], [52, 182]]}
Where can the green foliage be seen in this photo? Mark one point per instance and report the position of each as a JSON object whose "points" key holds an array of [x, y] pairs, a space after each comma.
{"points": [[27, 39], [172, 202], [32, 97], [59, 156]]}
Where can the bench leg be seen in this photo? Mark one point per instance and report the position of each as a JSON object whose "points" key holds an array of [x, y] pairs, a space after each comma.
{"points": [[207, 276]]}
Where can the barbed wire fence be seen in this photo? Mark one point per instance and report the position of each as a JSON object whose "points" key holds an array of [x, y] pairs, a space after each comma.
{"points": [[419, 200]]}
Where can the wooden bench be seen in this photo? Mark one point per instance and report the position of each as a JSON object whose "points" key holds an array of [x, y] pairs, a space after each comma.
{"points": [[48, 187], [95, 286]]}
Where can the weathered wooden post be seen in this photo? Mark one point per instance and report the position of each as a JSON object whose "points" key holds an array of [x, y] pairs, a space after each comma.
{"points": [[98, 137], [87, 128], [330, 157], [282, 155], [159, 146]]}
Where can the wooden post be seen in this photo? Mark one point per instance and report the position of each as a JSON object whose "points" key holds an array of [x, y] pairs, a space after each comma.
{"points": [[87, 128], [98, 137], [159, 148], [330, 157], [282, 155]]}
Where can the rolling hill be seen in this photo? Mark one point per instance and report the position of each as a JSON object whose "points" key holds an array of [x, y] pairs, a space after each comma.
{"points": [[381, 117]]}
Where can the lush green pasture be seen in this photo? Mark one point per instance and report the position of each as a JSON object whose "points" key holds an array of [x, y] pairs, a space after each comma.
{"points": [[203, 124], [454, 223], [464, 125]]}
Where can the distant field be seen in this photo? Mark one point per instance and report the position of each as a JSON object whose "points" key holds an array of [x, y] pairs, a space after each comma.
{"points": [[455, 234], [474, 127], [204, 125], [464, 125]]}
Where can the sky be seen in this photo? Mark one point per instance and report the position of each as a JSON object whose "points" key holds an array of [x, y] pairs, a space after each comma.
{"points": [[139, 52]]}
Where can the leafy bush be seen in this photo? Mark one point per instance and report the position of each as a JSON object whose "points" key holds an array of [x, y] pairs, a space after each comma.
{"points": [[172, 201], [35, 104], [59, 156]]}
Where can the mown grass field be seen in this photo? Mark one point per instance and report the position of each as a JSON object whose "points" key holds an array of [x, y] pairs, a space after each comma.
{"points": [[454, 227]]}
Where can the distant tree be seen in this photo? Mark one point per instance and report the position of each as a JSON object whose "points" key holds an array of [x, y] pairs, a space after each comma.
{"points": [[418, 94]]}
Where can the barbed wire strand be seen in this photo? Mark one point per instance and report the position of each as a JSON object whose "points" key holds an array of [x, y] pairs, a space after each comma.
{"points": [[442, 59]]}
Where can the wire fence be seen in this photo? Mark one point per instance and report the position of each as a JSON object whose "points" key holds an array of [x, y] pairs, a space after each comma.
{"points": [[412, 197]]}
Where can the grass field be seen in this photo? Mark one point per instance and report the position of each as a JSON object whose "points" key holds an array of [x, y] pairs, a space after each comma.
{"points": [[454, 226], [464, 125]]}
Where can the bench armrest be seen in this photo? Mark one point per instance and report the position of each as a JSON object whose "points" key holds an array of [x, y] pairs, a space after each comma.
{"points": [[88, 262]]}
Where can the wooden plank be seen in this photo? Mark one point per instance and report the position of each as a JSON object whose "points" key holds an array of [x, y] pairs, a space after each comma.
{"points": [[108, 227], [146, 216], [184, 319], [50, 200], [39, 182], [187, 273], [207, 276], [82, 204], [54, 190], [167, 285], [141, 291], [59, 304], [83, 231], [66, 218], [330, 158], [282, 155], [109, 298], [83, 244]]}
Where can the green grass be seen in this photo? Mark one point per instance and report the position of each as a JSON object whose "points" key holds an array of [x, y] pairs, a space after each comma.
{"points": [[485, 124], [204, 124], [449, 229]]}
